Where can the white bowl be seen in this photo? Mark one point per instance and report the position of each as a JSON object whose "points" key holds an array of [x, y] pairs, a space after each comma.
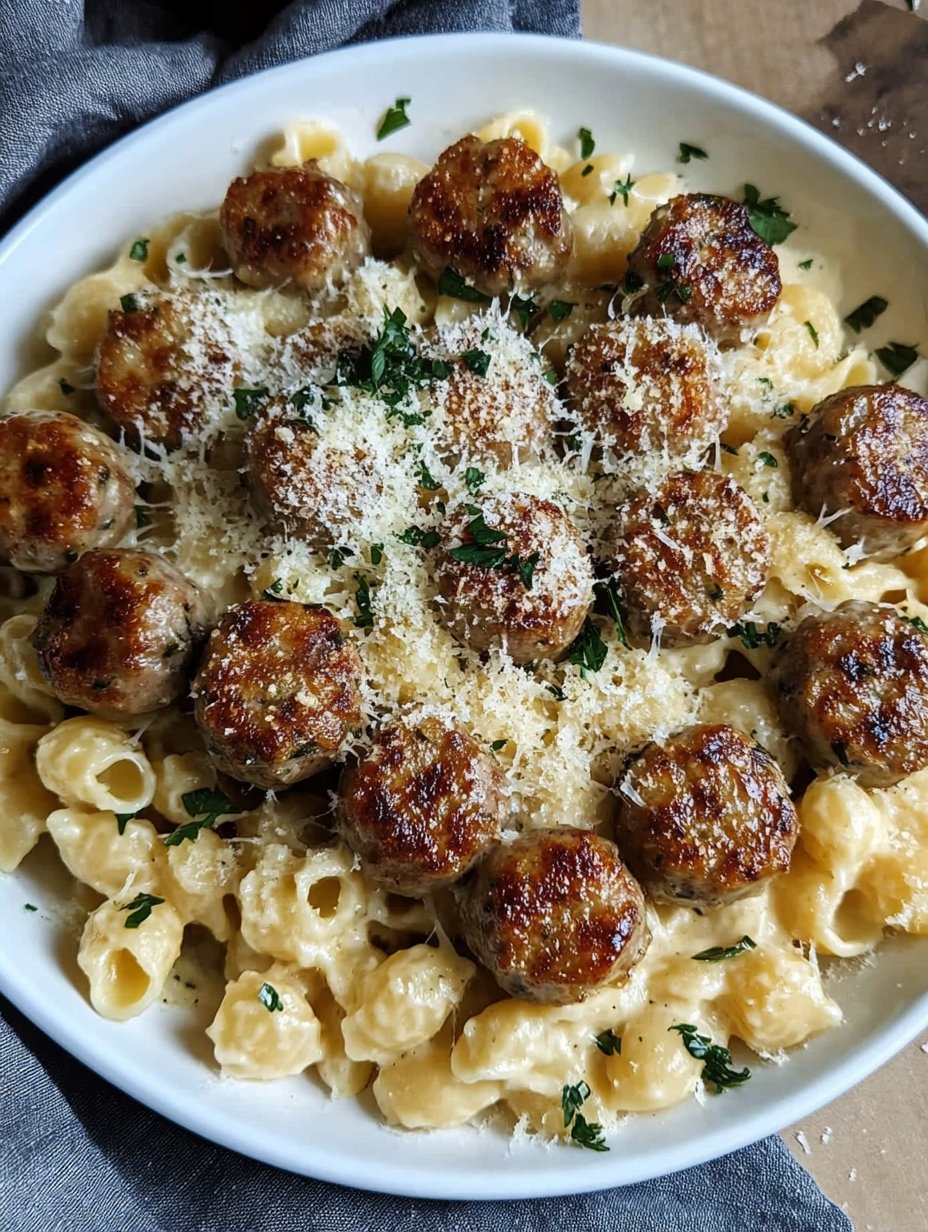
{"points": [[632, 102]]}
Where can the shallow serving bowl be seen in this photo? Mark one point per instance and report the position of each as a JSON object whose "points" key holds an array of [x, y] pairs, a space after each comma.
{"points": [[184, 160]]}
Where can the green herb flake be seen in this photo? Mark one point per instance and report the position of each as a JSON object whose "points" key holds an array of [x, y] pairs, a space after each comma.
{"points": [[142, 517], [482, 557], [688, 152], [622, 188], [806, 265], [248, 401], [180, 258], [609, 1043], [29, 907], [140, 909], [524, 308], [376, 553], [717, 1073], [863, 316], [525, 567], [274, 592], [270, 998], [122, 820], [588, 650], [558, 309], [897, 357], [813, 332], [205, 805], [128, 303], [476, 361], [556, 692], [572, 1100], [473, 478], [665, 260], [496, 745], [139, 250], [608, 592], [363, 602], [65, 386], [420, 538], [338, 556], [917, 622], [452, 284], [718, 953], [582, 1132], [394, 118], [768, 459], [753, 635], [587, 144], [587, 170], [767, 217]]}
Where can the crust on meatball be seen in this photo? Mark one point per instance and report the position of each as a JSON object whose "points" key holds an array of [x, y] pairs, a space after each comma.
{"points": [[278, 692], [492, 211], [692, 556], [527, 590], [294, 224], [863, 453], [555, 915], [705, 816], [700, 260], [64, 488], [119, 632], [162, 362], [853, 686], [422, 805], [647, 385]]}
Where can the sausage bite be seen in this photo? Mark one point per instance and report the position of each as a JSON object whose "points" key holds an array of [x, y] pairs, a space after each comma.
{"points": [[293, 224], [64, 488], [705, 816], [555, 915], [278, 692], [692, 556], [863, 453], [700, 260], [514, 573], [853, 686], [493, 212], [163, 361], [119, 633], [422, 805], [643, 386]]}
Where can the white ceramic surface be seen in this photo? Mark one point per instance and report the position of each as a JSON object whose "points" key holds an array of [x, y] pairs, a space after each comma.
{"points": [[184, 159]]}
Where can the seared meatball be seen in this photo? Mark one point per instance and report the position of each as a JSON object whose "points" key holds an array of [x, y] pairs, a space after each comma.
{"points": [[692, 557], [120, 632], [293, 224], [647, 386], [493, 212], [555, 915], [700, 260], [64, 488], [864, 452], [705, 816], [853, 686], [162, 363], [514, 573], [304, 485], [278, 692], [422, 805]]}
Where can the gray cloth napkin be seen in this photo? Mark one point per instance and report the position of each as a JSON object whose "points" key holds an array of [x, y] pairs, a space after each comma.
{"points": [[76, 1155]]}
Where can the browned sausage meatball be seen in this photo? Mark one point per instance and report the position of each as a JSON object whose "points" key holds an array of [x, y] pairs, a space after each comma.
{"points": [[64, 488], [493, 212], [422, 805], [163, 361], [294, 224], [706, 816], [642, 386], [853, 685], [692, 556], [864, 451], [700, 260], [278, 692], [514, 573], [555, 915], [119, 632], [304, 485]]}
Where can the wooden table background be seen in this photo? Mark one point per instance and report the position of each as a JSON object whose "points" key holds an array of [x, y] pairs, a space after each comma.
{"points": [[861, 74]]}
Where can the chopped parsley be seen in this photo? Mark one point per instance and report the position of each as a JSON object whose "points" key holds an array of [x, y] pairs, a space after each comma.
{"points": [[582, 1132], [338, 556], [247, 401], [560, 308], [270, 998], [588, 650], [362, 600], [917, 622], [141, 517], [139, 250], [665, 260], [205, 805], [180, 258], [768, 459], [29, 907], [496, 745], [394, 118], [481, 555], [524, 307], [525, 567], [476, 361], [767, 217], [609, 1043], [376, 553], [490, 550], [813, 332], [606, 590], [128, 303], [753, 635], [451, 283], [622, 188], [420, 538], [65, 386], [863, 316], [806, 265], [273, 592], [390, 367], [140, 909], [587, 170], [426, 479], [587, 144], [717, 1073], [556, 692], [473, 478], [897, 357], [717, 953], [688, 152], [122, 820]]}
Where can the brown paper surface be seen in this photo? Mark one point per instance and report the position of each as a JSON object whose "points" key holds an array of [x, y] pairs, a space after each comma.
{"points": [[858, 71]]}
